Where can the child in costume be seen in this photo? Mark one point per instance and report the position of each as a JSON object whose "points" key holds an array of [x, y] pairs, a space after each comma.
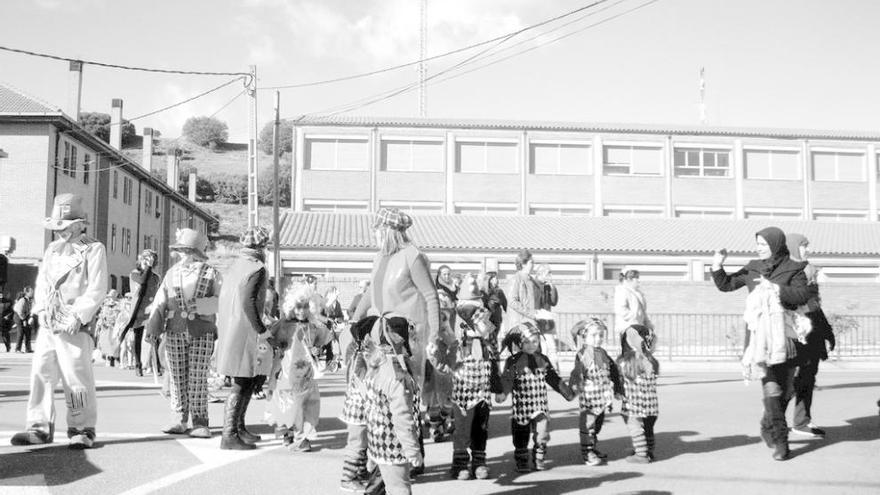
{"points": [[437, 390], [596, 379], [527, 372], [354, 414], [296, 403], [475, 379], [640, 406], [392, 406]]}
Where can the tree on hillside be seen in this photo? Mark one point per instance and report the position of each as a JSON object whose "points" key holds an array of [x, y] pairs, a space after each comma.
{"points": [[285, 137], [229, 188], [266, 184], [99, 124], [206, 131]]}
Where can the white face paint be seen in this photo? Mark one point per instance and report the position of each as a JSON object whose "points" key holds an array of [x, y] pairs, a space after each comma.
{"points": [[762, 248], [71, 231]]}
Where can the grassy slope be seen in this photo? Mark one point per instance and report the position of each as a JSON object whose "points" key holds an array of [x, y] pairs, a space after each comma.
{"points": [[230, 158]]}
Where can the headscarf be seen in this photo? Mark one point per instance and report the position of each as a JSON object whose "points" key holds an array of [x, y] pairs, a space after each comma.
{"points": [[775, 238], [793, 242]]}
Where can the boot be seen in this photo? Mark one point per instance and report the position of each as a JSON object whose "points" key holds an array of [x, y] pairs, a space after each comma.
{"points": [[460, 459], [521, 456], [774, 421], [34, 436], [478, 465], [230, 439], [243, 432], [539, 454]]}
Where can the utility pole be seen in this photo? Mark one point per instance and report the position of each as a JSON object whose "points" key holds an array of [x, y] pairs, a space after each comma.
{"points": [[276, 235], [252, 200], [423, 54]]}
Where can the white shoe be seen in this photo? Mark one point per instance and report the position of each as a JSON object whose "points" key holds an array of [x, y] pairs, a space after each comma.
{"points": [[81, 441]]}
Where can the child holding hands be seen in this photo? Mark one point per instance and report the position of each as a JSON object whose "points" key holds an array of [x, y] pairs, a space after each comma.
{"points": [[640, 406]]}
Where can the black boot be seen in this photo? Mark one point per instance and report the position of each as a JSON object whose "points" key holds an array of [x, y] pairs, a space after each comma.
{"points": [[775, 427], [243, 432], [230, 439]]}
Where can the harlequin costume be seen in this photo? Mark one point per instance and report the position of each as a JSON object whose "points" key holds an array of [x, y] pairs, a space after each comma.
{"points": [[474, 380], [597, 380], [354, 410], [437, 391], [185, 310], [640, 404], [71, 284], [527, 376]]}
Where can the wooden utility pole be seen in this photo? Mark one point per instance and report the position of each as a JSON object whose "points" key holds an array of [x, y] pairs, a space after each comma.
{"points": [[252, 202], [276, 227]]}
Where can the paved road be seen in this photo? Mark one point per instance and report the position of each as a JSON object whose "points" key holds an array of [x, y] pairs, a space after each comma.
{"points": [[707, 442]]}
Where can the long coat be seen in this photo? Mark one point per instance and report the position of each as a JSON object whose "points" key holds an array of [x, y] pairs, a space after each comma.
{"points": [[242, 298], [630, 308]]}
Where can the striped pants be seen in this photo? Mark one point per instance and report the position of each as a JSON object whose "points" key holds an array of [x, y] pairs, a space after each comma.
{"points": [[589, 426], [187, 359], [354, 463], [642, 432]]}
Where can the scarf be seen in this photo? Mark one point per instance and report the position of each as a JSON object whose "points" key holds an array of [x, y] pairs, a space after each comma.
{"points": [[793, 242], [779, 251]]}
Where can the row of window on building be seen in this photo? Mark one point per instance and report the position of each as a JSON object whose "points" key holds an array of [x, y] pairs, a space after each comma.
{"points": [[69, 164], [569, 158]]}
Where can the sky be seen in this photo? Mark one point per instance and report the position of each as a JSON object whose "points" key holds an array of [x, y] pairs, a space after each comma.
{"points": [[768, 63]]}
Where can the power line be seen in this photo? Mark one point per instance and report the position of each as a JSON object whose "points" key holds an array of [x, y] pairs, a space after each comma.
{"points": [[124, 67], [169, 107], [228, 102], [435, 57]]}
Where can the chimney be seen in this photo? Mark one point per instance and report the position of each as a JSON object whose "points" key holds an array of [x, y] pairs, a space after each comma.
{"points": [[192, 186], [74, 86], [171, 176], [116, 123], [147, 160]]}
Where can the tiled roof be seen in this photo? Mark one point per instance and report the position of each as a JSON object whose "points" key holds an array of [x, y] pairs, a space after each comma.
{"points": [[14, 101], [311, 230], [499, 124]]}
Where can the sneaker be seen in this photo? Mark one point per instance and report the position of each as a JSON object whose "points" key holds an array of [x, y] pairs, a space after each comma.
{"points": [[540, 465], [81, 441], [593, 459], [304, 446], [31, 437], [808, 431], [481, 472], [638, 459], [258, 395], [175, 429], [352, 486], [463, 474], [200, 432], [781, 452]]}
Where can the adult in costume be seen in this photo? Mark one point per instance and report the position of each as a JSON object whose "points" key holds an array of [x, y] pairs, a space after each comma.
{"points": [[145, 283], [241, 306], [71, 284], [185, 309]]}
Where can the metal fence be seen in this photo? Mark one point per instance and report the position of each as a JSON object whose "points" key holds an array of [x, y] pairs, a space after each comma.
{"points": [[721, 336]]}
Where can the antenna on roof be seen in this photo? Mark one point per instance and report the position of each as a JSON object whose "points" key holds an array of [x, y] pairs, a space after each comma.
{"points": [[702, 96]]}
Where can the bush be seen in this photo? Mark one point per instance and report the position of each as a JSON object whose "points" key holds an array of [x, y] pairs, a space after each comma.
{"points": [[229, 188], [266, 184], [206, 131], [99, 124], [285, 137]]}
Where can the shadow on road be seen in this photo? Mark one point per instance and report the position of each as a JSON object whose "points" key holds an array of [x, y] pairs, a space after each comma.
{"points": [[848, 385], [515, 485], [864, 429]]}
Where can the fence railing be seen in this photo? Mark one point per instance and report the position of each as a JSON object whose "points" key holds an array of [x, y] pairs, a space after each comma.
{"points": [[721, 336]]}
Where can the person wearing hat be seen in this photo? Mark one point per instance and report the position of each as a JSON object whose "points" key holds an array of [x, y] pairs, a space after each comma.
{"points": [[145, 283], [185, 310], [241, 305], [71, 285], [401, 285]]}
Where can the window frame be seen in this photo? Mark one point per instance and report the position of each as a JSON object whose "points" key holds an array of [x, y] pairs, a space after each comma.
{"points": [[87, 162], [309, 141], [631, 147], [586, 208], [701, 167], [659, 210], [837, 153], [589, 169], [772, 151], [73, 156], [504, 209], [383, 153], [485, 142]]}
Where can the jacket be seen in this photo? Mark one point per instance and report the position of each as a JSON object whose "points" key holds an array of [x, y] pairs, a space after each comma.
{"points": [[148, 281], [525, 299], [239, 321], [630, 308], [200, 314], [788, 275]]}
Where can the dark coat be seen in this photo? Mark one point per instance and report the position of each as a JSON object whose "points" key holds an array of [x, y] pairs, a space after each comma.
{"points": [[789, 275]]}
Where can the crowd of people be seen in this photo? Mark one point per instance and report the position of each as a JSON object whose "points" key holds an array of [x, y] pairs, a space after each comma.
{"points": [[426, 355]]}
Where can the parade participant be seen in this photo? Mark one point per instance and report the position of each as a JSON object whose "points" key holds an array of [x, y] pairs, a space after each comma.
{"points": [[548, 297], [24, 320], [813, 350], [71, 283], [495, 301], [446, 289], [639, 371], [363, 286], [392, 407], [7, 316], [145, 283], [185, 310], [475, 379], [239, 323], [527, 373], [295, 405], [105, 323], [401, 285], [437, 389], [629, 304], [776, 284], [354, 415], [596, 380]]}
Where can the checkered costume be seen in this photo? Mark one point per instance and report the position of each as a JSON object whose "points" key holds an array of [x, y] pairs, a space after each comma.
{"points": [[527, 376], [641, 397], [470, 383], [354, 406], [385, 444], [596, 379]]}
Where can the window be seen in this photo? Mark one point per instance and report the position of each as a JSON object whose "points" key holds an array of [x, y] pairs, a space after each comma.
{"points": [[87, 165], [65, 165], [633, 160], [648, 272], [146, 241], [73, 152], [157, 205], [113, 282], [688, 212], [148, 201], [487, 158], [414, 206], [840, 215], [772, 164], [113, 238], [115, 184], [634, 212], [125, 285], [548, 210], [412, 156], [560, 159], [337, 154], [335, 206], [486, 209], [768, 213], [841, 167], [701, 162], [848, 274], [127, 242]]}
